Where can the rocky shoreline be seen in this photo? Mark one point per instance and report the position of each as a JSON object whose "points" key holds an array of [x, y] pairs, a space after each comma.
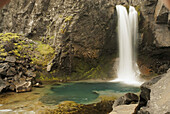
{"points": [[153, 98]]}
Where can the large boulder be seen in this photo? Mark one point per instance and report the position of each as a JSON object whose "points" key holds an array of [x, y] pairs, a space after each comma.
{"points": [[129, 98], [154, 97]]}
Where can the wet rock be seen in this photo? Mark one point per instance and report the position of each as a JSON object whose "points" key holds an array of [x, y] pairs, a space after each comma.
{"points": [[129, 98], [38, 85], [23, 87], [11, 59]]}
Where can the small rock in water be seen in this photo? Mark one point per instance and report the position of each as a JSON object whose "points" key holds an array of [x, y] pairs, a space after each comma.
{"points": [[23, 87], [39, 85]]}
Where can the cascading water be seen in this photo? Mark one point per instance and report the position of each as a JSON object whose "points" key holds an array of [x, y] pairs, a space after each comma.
{"points": [[128, 71]]}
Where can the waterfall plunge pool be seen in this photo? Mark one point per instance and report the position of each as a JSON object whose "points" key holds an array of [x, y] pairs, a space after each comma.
{"points": [[85, 92]]}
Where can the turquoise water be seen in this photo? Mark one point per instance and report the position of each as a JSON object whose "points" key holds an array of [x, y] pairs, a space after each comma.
{"points": [[84, 92]]}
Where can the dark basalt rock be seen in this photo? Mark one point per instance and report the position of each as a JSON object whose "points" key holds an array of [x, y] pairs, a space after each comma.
{"points": [[129, 98], [2, 85]]}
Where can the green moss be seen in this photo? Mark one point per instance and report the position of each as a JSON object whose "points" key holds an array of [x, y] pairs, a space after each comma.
{"points": [[45, 49], [8, 36], [68, 18], [4, 54], [138, 10], [100, 69], [127, 8], [2, 50]]}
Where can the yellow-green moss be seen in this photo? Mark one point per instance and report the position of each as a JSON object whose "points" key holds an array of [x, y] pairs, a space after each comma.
{"points": [[68, 18], [45, 49], [1, 50], [138, 10], [8, 36], [4, 54]]}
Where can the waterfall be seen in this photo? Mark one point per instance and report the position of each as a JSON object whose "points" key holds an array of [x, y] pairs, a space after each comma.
{"points": [[128, 71]]}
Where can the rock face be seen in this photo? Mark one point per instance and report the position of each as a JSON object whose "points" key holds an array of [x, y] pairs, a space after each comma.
{"points": [[155, 32], [80, 23], [82, 32], [77, 29], [156, 17], [154, 97]]}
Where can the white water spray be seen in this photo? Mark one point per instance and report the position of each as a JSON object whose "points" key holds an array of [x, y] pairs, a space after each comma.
{"points": [[128, 71]]}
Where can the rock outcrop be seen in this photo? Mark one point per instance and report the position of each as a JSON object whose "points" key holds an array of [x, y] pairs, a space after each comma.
{"points": [[125, 104], [154, 97], [79, 30], [129, 98], [155, 32], [156, 19], [17, 73]]}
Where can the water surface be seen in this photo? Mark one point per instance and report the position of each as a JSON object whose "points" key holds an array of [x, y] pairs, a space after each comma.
{"points": [[84, 92]]}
